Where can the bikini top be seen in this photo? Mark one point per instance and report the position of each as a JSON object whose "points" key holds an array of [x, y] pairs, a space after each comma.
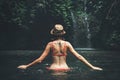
{"points": [[60, 53]]}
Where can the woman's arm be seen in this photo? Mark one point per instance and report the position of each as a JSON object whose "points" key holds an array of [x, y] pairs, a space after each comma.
{"points": [[81, 58], [38, 60]]}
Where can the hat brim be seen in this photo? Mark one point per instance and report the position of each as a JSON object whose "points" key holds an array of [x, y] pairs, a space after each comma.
{"points": [[52, 32]]}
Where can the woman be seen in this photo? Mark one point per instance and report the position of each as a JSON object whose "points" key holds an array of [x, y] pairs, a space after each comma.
{"points": [[59, 48]]}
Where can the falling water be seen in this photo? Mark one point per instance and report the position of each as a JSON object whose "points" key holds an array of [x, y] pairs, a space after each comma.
{"points": [[78, 39], [86, 23], [88, 34], [74, 37], [81, 34]]}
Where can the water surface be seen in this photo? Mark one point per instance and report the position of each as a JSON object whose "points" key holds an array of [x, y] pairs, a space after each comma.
{"points": [[108, 60]]}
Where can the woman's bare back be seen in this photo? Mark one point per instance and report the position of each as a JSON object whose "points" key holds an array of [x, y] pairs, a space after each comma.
{"points": [[59, 49]]}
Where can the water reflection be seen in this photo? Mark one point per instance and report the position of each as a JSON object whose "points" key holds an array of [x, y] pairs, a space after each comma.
{"points": [[59, 75]]}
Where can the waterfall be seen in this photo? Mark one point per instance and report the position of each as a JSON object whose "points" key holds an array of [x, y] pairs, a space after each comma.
{"points": [[81, 36], [74, 37], [86, 24], [88, 34]]}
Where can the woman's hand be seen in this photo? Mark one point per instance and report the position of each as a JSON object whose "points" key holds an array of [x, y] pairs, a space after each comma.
{"points": [[96, 68], [22, 67]]}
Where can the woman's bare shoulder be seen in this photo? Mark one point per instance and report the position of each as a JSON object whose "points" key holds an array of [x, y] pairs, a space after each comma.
{"points": [[67, 43], [50, 42]]}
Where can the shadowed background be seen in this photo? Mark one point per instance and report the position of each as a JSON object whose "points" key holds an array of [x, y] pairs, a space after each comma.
{"points": [[92, 27], [25, 25]]}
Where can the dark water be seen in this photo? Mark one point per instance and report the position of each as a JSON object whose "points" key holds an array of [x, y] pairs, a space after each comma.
{"points": [[108, 60]]}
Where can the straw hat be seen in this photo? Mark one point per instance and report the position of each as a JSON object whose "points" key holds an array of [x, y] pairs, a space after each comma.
{"points": [[58, 30]]}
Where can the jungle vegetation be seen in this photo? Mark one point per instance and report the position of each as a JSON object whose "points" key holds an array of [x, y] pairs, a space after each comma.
{"points": [[24, 18]]}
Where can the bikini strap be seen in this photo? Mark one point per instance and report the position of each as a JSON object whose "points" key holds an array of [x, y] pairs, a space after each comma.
{"points": [[61, 51]]}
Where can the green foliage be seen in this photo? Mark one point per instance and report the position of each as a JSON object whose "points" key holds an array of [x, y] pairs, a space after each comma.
{"points": [[61, 9], [18, 14], [102, 15], [114, 40]]}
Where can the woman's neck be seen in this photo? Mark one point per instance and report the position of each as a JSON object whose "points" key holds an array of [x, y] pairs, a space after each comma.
{"points": [[58, 38]]}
